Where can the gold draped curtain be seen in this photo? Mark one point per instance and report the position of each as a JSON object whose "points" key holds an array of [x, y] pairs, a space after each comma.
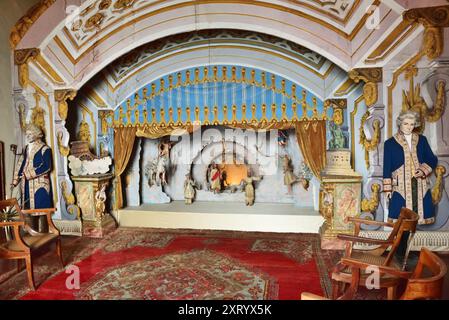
{"points": [[123, 148], [311, 136], [156, 132]]}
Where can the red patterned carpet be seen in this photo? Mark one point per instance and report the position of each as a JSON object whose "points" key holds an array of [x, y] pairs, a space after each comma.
{"points": [[172, 265]]}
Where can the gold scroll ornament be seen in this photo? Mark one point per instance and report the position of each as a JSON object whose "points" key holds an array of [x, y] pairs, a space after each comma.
{"points": [[369, 145]]}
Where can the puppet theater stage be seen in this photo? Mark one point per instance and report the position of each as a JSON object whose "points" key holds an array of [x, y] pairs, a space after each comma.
{"points": [[127, 77]]}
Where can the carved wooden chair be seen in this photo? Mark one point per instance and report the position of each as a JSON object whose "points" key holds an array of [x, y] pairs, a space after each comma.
{"points": [[425, 282], [25, 241], [380, 253]]}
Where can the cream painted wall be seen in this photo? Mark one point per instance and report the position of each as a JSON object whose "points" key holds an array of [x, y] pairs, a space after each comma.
{"points": [[10, 12]]}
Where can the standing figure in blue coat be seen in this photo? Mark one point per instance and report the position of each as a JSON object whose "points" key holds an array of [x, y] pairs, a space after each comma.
{"points": [[33, 171], [408, 162]]}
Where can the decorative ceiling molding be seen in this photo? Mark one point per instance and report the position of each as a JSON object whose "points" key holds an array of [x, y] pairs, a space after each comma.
{"points": [[104, 30], [346, 88], [135, 59], [340, 10], [101, 21], [100, 17], [248, 49], [26, 22], [93, 96], [392, 41]]}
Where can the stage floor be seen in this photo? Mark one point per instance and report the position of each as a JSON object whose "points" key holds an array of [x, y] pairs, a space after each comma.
{"points": [[268, 217]]}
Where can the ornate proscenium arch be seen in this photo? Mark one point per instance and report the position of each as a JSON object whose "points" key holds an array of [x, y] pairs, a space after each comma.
{"points": [[74, 47]]}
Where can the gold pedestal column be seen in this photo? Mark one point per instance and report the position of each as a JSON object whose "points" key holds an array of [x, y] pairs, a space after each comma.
{"points": [[93, 202], [340, 197]]}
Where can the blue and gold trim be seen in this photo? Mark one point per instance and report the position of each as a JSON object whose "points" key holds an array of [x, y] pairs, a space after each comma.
{"points": [[219, 95]]}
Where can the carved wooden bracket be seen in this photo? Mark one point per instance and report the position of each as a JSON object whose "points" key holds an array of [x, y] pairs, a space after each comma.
{"points": [[61, 96], [434, 19], [23, 56], [431, 16], [21, 59], [371, 76]]}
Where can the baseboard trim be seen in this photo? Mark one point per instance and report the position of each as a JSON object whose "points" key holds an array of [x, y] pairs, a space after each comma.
{"points": [[69, 227], [432, 240]]}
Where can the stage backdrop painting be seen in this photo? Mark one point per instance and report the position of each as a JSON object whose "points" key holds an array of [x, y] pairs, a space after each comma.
{"points": [[270, 189]]}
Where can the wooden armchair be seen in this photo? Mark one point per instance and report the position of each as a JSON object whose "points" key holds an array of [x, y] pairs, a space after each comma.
{"points": [[383, 253], [425, 282], [26, 241]]}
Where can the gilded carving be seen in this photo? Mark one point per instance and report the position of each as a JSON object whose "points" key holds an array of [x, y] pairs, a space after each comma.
{"points": [[295, 114], [124, 4], [61, 96], [21, 59], [338, 117], [121, 116], [84, 130], [69, 199], [434, 19], [24, 75], [338, 105], [104, 4], [197, 115], [24, 24], [103, 150], [273, 113], [94, 21], [22, 116], [23, 56], [371, 205], [103, 115], [38, 114], [412, 100], [371, 76], [369, 145], [76, 25], [63, 150], [370, 93], [429, 16], [433, 42], [100, 199], [327, 202], [437, 190]]}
